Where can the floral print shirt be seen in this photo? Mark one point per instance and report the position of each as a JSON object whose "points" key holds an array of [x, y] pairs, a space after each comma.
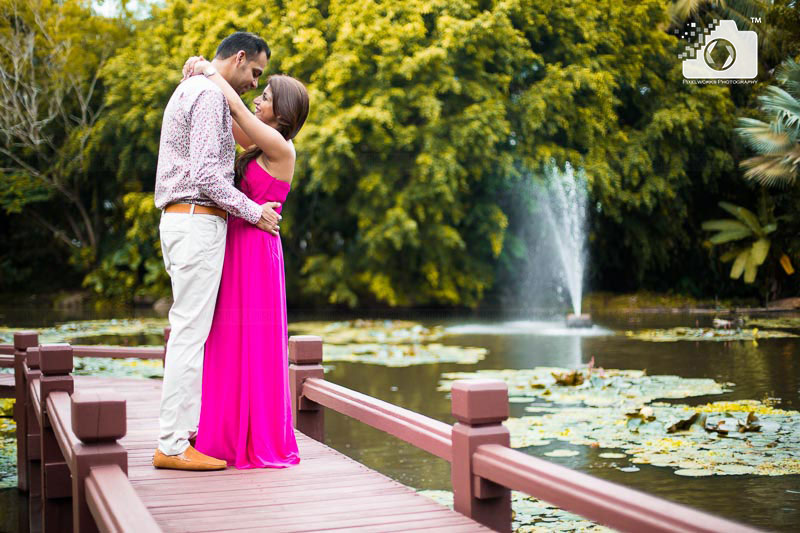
{"points": [[197, 150]]}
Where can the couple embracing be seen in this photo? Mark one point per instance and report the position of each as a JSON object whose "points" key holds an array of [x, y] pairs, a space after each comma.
{"points": [[219, 238]]}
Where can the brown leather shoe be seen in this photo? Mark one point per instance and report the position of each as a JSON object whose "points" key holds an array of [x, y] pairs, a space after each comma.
{"points": [[190, 459]]}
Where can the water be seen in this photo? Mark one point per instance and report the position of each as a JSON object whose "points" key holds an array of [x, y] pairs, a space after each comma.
{"points": [[564, 201], [769, 369]]}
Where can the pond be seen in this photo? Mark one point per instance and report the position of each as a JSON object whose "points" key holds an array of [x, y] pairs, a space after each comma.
{"points": [[369, 357]]}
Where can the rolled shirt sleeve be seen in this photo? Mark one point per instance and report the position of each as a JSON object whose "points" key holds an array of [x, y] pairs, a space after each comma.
{"points": [[209, 160]]}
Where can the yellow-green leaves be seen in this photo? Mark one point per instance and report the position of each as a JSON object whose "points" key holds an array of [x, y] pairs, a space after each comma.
{"points": [[748, 257]]}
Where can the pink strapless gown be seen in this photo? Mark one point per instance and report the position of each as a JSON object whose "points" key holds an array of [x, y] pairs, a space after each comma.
{"points": [[246, 412]]}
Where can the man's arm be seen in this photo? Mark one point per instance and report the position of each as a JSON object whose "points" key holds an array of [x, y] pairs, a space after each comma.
{"points": [[206, 155]]}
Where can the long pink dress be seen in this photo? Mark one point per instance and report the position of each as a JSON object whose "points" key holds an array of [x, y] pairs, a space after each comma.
{"points": [[246, 412]]}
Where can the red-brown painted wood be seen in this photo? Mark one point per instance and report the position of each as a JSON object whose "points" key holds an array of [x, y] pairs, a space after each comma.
{"points": [[423, 432], [480, 406], [22, 341], [55, 362], [305, 362], [115, 485], [118, 352], [619, 507], [112, 502], [325, 491]]}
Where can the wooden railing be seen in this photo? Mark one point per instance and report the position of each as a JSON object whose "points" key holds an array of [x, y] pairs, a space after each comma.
{"points": [[483, 467], [68, 458], [75, 471], [114, 352]]}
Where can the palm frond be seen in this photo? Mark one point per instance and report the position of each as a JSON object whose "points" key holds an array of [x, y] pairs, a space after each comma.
{"points": [[750, 267], [739, 264], [730, 255], [723, 225], [729, 236], [792, 157], [774, 170], [760, 250], [680, 10], [738, 10], [745, 215], [762, 137], [785, 107], [788, 74], [744, 10]]}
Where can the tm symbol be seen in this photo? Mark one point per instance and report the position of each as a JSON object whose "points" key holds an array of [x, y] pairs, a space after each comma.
{"points": [[755, 20]]}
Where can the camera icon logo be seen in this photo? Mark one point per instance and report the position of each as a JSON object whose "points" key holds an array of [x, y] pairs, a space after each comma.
{"points": [[722, 52]]}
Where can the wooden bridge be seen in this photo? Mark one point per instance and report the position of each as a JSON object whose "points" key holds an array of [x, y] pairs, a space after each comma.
{"points": [[85, 446]]}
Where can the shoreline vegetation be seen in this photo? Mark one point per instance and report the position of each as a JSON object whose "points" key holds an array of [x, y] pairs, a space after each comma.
{"points": [[600, 302]]}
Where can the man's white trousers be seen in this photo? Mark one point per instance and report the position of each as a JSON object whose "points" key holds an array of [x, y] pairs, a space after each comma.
{"points": [[193, 246]]}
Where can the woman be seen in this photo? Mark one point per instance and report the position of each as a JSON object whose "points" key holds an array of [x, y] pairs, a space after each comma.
{"points": [[246, 414]]}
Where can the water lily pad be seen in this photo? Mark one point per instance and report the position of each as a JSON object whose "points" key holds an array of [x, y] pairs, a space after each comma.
{"points": [[562, 453], [530, 515], [78, 332], [735, 469], [616, 409], [611, 455], [694, 472], [398, 355], [8, 445], [393, 343], [758, 453], [787, 322], [369, 331], [705, 334], [129, 367], [603, 387], [629, 469]]}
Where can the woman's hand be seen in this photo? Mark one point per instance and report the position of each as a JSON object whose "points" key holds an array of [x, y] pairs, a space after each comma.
{"points": [[194, 66]]}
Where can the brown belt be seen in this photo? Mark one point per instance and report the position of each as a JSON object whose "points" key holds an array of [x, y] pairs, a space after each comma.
{"points": [[198, 209]]}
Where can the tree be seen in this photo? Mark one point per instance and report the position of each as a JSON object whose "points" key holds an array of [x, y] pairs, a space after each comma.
{"points": [[51, 99], [606, 94], [393, 197], [134, 269]]}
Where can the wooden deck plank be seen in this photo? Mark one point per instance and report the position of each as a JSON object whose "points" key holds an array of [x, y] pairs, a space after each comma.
{"points": [[233, 524], [326, 491]]}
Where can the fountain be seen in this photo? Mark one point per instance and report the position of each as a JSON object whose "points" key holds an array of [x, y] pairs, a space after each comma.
{"points": [[565, 212]]}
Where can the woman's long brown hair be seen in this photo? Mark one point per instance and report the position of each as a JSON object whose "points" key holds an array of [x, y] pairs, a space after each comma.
{"points": [[290, 107]]}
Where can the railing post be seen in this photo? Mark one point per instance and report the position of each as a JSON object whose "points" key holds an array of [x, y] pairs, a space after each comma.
{"points": [[479, 406], [55, 361], [305, 358], [98, 419], [22, 341], [167, 331], [33, 438]]}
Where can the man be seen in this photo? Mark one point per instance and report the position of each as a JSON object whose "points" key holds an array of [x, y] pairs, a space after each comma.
{"points": [[194, 187]]}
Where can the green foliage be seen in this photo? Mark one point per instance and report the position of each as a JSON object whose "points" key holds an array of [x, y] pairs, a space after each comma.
{"points": [[777, 143], [607, 95], [429, 120], [136, 268], [50, 55], [747, 256]]}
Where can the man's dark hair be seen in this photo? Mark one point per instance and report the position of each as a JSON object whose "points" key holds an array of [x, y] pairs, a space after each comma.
{"points": [[251, 43]]}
